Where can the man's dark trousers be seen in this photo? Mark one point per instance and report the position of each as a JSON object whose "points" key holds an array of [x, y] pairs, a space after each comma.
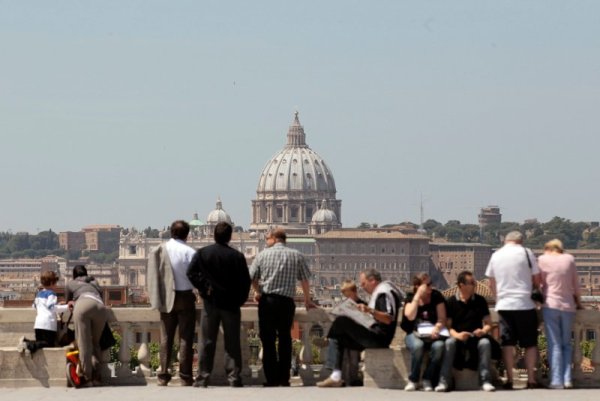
{"points": [[211, 318], [184, 316], [351, 335], [275, 319]]}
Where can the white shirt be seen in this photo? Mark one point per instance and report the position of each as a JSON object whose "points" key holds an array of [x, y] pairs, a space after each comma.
{"points": [[47, 308], [509, 267], [180, 255]]}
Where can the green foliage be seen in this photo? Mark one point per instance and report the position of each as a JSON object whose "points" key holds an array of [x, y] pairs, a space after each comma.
{"points": [[297, 347], [114, 350], [151, 232], [24, 245], [154, 349], [587, 347], [101, 257], [154, 355], [572, 234]]}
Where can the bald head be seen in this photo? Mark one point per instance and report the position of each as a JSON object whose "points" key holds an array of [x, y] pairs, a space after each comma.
{"points": [[514, 236]]}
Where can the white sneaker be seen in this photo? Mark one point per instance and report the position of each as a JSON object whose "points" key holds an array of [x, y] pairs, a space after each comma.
{"points": [[441, 388], [22, 345], [427, 385], [487, 386], [410, 386], [568, 385]]}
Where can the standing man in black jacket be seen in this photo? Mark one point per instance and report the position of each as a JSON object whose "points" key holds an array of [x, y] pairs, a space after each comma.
{"points": [[220, 274]]}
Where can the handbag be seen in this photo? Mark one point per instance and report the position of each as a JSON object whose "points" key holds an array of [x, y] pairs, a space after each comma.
{"points": [[536, 293], [107, 339], [65, 335]]}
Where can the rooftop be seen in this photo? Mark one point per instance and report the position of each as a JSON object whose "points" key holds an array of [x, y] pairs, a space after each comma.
{"points": [[350, 233]]}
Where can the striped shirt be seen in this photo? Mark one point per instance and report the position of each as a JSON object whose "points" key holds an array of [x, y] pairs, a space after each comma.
{"points": [[277, 270]]}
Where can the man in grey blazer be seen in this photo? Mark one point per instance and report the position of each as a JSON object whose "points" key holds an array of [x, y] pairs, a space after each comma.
{"points": [[170, 293]]}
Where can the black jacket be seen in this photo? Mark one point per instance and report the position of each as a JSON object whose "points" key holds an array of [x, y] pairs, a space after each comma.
{"points": [[221, 275]]}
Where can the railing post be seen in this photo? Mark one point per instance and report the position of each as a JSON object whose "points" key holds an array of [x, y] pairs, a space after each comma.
{"points": [[246, 371], [144, 352], [124, 356], [105, 372], [306, 357], [577, 373], [323, 347]]}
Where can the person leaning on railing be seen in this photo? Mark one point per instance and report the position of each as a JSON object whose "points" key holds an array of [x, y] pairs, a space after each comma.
{"points": [[560, 286]]}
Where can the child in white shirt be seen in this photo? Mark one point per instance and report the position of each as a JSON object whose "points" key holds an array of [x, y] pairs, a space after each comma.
{"points": [[45, 325]]}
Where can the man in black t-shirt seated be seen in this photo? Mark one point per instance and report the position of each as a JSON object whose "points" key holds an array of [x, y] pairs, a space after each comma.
{"points": [[348, 334], [469, 345]]}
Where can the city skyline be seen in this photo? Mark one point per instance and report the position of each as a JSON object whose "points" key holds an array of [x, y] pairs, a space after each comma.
{"points": [[140, 113]]}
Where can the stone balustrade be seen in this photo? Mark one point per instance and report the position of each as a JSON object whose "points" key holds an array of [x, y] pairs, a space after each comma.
{"points": [[47, 367], [42, 369]]}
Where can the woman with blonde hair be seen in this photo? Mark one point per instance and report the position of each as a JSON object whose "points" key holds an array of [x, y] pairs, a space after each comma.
{"points": [[561, 290]]}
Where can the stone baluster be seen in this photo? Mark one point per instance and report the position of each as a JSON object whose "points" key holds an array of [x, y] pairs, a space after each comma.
{"points": [[305, 369], [596, 356], [246, 371], [144, 352], [323, 347], [578, 333], [105, 372], [123, 371]]}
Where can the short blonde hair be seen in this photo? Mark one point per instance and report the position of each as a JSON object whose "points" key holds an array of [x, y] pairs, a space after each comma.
{"points": [[555, 245], [348, 285]]}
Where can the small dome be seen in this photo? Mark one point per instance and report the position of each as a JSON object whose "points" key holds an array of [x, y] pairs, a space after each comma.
{"points": [[218, 215], [324, 215], [195, 222]]}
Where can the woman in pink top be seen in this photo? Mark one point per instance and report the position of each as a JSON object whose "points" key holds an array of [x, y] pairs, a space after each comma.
{"points": [[561, 289]]}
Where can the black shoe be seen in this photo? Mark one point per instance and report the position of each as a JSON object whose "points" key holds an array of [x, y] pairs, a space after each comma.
{"points": [[162, 382], [507, 386], [269, 384], [284, 384], [236, 384], [201, 383], [533, 385]]}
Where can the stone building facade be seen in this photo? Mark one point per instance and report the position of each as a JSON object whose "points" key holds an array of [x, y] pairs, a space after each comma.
{"points": [[449, 259], [344, 253]]}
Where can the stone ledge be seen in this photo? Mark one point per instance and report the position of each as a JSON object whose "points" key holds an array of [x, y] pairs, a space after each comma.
{"points": [[389, 368], [46, 368]]}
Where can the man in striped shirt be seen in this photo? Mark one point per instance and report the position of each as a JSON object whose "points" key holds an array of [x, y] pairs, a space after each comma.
{"points": [[274, 274]]}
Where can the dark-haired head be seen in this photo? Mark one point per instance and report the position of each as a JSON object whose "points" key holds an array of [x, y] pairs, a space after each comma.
{"points": [[79, 271], [420, 278], [463, 277], [180, 230], [223, 232]]}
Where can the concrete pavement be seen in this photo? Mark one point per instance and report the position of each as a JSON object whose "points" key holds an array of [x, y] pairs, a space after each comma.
{"points": [[155, 393]]}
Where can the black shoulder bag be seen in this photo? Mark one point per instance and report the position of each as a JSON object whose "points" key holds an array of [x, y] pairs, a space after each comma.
{"points": [[536, 294]]}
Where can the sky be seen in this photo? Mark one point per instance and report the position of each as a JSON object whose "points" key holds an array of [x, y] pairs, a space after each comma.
{"points": [[138, 113]]}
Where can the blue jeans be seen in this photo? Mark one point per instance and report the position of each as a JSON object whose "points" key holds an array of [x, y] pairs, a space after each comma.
{"points": [[417, 349], [484, 355], [558, 326]]}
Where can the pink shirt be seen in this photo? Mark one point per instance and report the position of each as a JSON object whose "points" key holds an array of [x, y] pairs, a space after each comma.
{"points": [[559, 280]]}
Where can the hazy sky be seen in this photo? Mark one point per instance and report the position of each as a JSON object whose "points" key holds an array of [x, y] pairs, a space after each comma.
{"points": [[141, 112]]}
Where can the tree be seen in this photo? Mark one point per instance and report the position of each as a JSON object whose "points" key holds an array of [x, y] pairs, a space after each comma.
{"points": [[364, 225], [151, 232], [430, 224]]}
